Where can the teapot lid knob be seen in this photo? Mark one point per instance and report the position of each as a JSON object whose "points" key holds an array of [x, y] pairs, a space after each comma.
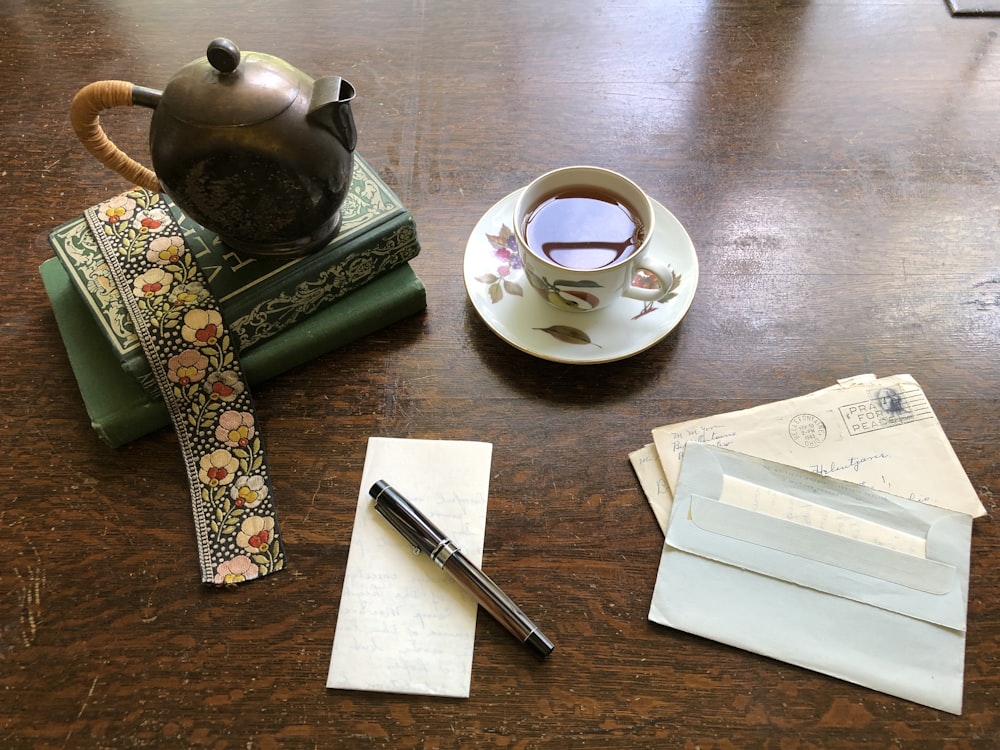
{"points": [[223, 55]]}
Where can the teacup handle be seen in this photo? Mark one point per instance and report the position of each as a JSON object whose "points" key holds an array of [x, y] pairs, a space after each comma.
{"points": [[663, 274], [85, 115]]}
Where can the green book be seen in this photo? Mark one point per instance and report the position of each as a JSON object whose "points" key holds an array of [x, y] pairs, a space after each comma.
{"points": [[121, 410], [259, 298]]}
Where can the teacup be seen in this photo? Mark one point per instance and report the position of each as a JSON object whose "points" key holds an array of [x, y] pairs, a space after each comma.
{"points": [[584, 235]]}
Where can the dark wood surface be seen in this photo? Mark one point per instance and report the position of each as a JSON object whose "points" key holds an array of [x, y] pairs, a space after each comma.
{"points": [[837, 166]]}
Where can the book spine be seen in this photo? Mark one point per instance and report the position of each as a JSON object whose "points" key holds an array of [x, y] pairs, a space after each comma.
{"points": [[277, 306], [366, 258], [259, 297], [121, 411]]}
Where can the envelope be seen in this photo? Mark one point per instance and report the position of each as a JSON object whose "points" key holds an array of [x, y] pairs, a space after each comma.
{"points": [[649, 471], [880, 432], [829, 575]]}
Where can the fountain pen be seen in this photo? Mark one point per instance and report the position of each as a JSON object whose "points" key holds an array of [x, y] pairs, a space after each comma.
{"points": [[418, 530]]}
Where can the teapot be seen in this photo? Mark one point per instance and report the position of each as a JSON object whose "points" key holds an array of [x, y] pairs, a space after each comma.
{"points": [[244, 143]]}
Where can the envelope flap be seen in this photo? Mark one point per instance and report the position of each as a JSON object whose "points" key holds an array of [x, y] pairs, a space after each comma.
{"points": [[930, 587], [816, 545]]}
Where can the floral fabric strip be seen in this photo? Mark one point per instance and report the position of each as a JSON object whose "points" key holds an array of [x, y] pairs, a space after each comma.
{"points": [[195, 364]]}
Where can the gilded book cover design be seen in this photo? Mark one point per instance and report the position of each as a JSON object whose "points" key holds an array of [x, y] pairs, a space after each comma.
{"points": [[259, 298]]}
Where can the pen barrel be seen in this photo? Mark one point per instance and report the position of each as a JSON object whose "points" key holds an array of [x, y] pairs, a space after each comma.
{"points": [[428, 538], [415, 527], [489, 595]]}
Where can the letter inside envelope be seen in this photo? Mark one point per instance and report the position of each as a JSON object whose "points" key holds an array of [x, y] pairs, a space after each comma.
{"points": [[829, 575]]}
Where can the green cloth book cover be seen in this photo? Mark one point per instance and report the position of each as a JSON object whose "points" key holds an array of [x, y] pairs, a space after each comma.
{"points": [[121, 410], [259, 298]]}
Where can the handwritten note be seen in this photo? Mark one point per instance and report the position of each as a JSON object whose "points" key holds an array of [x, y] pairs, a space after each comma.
{"points": [[404, 626]]}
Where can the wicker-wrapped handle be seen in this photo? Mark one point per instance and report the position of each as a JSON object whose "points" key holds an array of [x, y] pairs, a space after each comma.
{"points": [[85, 114]]}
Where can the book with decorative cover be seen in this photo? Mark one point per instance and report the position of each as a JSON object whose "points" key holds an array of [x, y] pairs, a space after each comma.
{"points": [[121, 410], [259, 298]]}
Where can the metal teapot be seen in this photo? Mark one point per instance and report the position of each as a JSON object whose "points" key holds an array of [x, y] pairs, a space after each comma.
{"points": [[245, 144]]}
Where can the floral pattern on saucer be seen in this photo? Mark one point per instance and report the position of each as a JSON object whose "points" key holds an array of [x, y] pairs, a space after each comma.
{"points": [[508, 262]]}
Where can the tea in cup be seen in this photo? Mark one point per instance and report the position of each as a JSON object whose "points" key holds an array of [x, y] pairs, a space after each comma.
{"points": [[584, 234]]}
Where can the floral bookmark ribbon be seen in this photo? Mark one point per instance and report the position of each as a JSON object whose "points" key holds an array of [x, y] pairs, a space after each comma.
{"points": [[195, 364]]}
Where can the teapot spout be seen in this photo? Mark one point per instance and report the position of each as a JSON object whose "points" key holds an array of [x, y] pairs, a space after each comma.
{"points": [[330, 107]]}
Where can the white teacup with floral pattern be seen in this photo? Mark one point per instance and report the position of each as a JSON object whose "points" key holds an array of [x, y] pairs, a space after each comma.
{"points": [[587, 289]]}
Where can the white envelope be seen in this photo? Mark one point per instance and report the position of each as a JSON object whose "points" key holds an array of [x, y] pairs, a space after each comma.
{"points": [[827, 585]]}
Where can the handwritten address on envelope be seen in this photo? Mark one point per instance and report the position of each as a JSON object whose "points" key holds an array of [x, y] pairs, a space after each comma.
{"points": [[878, 432]]}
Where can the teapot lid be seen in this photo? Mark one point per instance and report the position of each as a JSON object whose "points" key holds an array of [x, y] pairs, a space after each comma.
{"points": [[227, 87]]}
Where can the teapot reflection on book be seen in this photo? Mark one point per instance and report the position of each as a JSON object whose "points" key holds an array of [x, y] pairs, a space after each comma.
{"points": [[247, 145]]}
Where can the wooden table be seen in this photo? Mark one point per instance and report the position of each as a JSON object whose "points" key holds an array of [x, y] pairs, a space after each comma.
{"points": [[837, 167]]}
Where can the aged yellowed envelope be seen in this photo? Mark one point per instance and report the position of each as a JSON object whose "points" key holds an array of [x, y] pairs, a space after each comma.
{"points": [[877, 432]]}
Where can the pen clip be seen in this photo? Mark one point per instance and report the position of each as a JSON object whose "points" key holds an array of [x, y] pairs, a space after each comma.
{"points": [[422, 535], [403, 528]]}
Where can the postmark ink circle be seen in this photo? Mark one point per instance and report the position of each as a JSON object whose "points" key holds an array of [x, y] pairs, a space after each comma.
{"points": [[807, 430]]}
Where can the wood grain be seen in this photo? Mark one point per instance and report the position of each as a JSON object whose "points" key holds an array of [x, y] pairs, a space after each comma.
{"points": [[836, 165]]}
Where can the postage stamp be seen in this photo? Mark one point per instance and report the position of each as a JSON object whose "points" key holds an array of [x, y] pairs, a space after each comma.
{"points": [[888, 406]]}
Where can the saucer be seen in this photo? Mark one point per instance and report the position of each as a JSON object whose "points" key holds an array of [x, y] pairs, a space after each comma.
{"points": [[516, 312]]}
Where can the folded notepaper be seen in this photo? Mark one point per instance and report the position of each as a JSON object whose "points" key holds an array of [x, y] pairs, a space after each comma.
{"points": [[404, 626], [829, 575]]}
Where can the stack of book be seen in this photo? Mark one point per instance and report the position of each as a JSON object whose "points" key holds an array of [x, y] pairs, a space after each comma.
{"points": [[283, 312]]}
